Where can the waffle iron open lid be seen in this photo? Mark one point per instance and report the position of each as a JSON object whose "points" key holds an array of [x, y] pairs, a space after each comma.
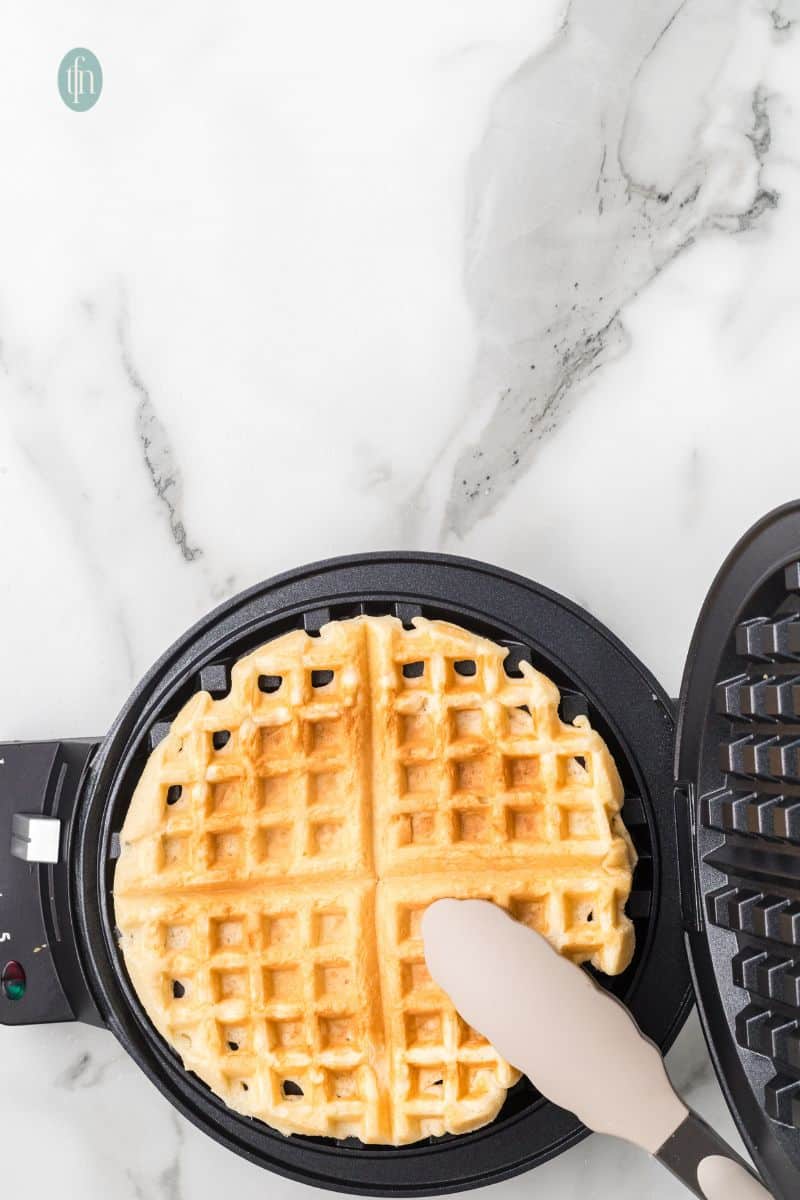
{"points": [[737, 764]]}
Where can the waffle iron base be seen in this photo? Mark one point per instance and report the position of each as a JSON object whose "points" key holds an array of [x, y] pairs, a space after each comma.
{"points": [[596, 673]]}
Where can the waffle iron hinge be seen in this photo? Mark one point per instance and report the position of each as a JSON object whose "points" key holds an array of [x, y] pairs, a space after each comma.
{"points": [[685, 826]]}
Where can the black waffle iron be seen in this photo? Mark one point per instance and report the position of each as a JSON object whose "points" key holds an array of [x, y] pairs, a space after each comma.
{"points": [[714, 812]]}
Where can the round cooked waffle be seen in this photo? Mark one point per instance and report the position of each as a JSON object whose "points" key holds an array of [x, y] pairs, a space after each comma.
{"points": [[284, 841]]}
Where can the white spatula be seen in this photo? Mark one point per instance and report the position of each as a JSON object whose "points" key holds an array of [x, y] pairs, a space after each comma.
{"points": [[578, 1045]]}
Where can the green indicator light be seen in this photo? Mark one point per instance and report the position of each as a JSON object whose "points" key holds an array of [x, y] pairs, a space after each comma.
{"points": [[12, 981]]}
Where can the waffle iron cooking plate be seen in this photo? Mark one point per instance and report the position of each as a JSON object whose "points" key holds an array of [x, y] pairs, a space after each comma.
{"points": [[738, 810], [62, 805]]}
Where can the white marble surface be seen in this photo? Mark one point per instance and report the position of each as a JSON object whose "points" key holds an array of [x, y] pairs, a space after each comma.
{"points": [[516, 281]]}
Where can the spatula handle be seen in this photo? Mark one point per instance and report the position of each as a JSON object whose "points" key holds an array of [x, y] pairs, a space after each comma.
{"points": [[707, 1165]]}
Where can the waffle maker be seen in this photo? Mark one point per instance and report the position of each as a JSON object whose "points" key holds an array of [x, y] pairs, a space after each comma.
{"points": [[713, 808]]}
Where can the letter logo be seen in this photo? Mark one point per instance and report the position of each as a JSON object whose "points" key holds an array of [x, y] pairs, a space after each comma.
{"points": [[80, 79]]}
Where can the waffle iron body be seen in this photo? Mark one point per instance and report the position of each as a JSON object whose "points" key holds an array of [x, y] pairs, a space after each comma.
{"points": [[62, 805]]}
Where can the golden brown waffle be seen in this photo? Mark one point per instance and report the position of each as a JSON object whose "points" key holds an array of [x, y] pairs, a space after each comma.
{"points": [[283, 843]]}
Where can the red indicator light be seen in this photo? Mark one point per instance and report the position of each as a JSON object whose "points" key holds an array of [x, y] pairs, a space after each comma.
{"points": [[13, 981]]}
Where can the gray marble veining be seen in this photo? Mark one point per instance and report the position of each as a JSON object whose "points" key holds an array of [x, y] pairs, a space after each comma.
{"points": [[158, 453], [583, 189]]}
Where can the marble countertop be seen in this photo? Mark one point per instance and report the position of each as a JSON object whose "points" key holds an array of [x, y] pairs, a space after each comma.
{"points": [[514, 281]]}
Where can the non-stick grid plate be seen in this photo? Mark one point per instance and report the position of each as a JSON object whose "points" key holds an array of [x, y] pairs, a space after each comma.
{"points": [[738, 759], [625, 705]]}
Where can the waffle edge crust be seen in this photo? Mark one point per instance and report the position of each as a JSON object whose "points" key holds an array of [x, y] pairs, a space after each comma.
{"points": [[283, 842]]}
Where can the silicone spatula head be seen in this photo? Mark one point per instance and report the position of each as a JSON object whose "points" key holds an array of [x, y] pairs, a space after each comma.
{"points": [[578, 1045], [576, 1042]]}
